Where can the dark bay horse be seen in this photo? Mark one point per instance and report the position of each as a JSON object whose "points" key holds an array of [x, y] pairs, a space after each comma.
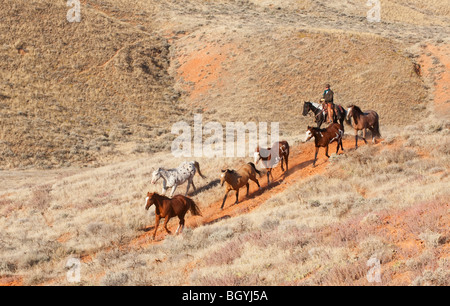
{"points": [[316, 109], [235, 179], [362, 121], [269, 161], [323, 137], [168, 208], [339, 113]]}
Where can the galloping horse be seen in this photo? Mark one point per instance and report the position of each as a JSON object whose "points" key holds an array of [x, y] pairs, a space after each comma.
{"points": [[362, 121], [323, 137], [234, 180], [174, 177], [317, 110], [269, 161], [168, 208]]}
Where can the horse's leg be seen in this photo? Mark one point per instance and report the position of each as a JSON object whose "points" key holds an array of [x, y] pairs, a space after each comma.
{"points": [[164, 188], [339, 144], [282, 168], [373, 133], [157, 218], [356, 138], [173, 190], [315, 156], [181, 225], [224, 199], [192, 182], [188, 186], [268, 173], [341, 121], [166, 220], [248, 188], [326, 152], [286, 161], [254, 179], [364, 136], [237, 196], [340, 139]]}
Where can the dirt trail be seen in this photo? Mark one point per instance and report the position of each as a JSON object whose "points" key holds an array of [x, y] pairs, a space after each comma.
{"points": [[300, 167], [435, 63]]}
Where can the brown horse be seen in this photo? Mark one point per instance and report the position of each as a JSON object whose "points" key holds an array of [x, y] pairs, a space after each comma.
{"points": [[269, 161], [234, 180], [362, 121], [168, 208], [323, 137]]}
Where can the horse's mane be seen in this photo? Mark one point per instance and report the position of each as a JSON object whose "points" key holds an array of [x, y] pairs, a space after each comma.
{"points": [[315, 105], [160, 196], [316, 129], [357, 109], [356, 112]]}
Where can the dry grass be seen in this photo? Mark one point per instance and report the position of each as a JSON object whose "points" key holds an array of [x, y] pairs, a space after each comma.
{"points": [[383, 201], [89, 93]]}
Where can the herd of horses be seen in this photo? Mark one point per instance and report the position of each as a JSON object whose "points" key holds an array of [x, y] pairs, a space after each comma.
{"points": [[179, 205]]}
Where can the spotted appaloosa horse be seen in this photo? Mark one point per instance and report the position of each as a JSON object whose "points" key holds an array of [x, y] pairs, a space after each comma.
{"points": [[169, 208], [323, 137], [174, 177], [269, 161]]}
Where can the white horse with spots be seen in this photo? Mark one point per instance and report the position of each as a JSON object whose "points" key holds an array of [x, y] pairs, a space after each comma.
{"points": [[178, 176]]}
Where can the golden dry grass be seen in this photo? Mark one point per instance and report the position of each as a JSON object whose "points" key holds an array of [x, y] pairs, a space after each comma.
{"points": [[86, 93]]}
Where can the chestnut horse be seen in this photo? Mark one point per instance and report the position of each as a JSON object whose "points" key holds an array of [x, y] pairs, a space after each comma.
{"points": [[362, 121], [323, 137], [168, 208], [234, 180], [269, 161]]}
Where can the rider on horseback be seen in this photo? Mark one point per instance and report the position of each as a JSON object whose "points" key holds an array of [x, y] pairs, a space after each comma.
{"points": [[328, 102]]}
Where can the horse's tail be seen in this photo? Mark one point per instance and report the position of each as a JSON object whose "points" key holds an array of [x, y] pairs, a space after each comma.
{"points": [[197, 167], [256, 170], [195, 211], [376, 128]]}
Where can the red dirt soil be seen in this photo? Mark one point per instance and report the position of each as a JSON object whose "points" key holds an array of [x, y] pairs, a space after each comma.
{"points": [[201, 69], [441, 84]]}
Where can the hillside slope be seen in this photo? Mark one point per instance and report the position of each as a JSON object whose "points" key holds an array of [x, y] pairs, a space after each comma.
{"points": [[105, 93], [111, 86]]}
